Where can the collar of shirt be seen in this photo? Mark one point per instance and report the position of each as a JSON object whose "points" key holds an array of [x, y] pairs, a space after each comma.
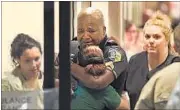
{"points": [[168, 61], [103, 42]]}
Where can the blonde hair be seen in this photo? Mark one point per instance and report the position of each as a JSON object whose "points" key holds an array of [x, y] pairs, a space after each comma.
{"points": [[164, 22], [161, 20]]}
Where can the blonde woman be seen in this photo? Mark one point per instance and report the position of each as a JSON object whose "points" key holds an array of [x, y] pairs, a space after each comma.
{"points": [[157, 55], [157, 91]]}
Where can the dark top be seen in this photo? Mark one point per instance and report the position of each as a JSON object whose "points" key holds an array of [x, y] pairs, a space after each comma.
{"points": [[139, 74], [116, 57]]}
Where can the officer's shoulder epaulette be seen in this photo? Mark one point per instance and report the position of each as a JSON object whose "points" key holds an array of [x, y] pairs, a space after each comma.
{"points": [[110, 43]]}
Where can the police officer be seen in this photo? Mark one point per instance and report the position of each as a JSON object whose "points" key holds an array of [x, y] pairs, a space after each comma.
{"points": [[92, 31]]}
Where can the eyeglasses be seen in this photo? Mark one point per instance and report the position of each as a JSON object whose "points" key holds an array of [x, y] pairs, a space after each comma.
{"points": [[132, 31]]}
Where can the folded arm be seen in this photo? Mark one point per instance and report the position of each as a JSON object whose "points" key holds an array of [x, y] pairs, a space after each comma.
{"points": [[96, 82]]}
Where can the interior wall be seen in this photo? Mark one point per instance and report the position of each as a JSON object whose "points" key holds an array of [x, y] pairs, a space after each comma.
{"points": [[27, 17], [20, 17], [103, 6], [56, 27], [114, 19], [77, 8], [114, 14]]}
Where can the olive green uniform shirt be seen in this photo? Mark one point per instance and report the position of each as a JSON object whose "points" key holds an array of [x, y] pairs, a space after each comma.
{"points": [[157, 90]]}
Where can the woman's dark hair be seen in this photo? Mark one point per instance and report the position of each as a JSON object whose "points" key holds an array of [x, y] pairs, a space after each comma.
{"points": [[20, 43]]}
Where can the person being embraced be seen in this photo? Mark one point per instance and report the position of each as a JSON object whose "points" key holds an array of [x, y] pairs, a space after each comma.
{"points": [[91, 57]]}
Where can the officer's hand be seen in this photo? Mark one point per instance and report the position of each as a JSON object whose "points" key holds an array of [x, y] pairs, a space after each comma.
{"points": [[95, 69], [90, 55], [82, 59]]}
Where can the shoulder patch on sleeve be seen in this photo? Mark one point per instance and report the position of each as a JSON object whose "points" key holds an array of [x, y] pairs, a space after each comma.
{"points": [[114, 55]]}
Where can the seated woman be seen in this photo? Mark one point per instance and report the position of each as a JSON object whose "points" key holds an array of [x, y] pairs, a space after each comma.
{"points": [[92, 59], [26, 56]]}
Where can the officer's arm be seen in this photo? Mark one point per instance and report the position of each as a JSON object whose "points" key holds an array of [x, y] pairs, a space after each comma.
{"points": [[116, 64], [96, 82]]}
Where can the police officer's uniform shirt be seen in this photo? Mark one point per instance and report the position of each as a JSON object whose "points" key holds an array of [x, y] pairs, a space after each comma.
{"points": [[157, 90], [139, 74], [116, 61]]}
